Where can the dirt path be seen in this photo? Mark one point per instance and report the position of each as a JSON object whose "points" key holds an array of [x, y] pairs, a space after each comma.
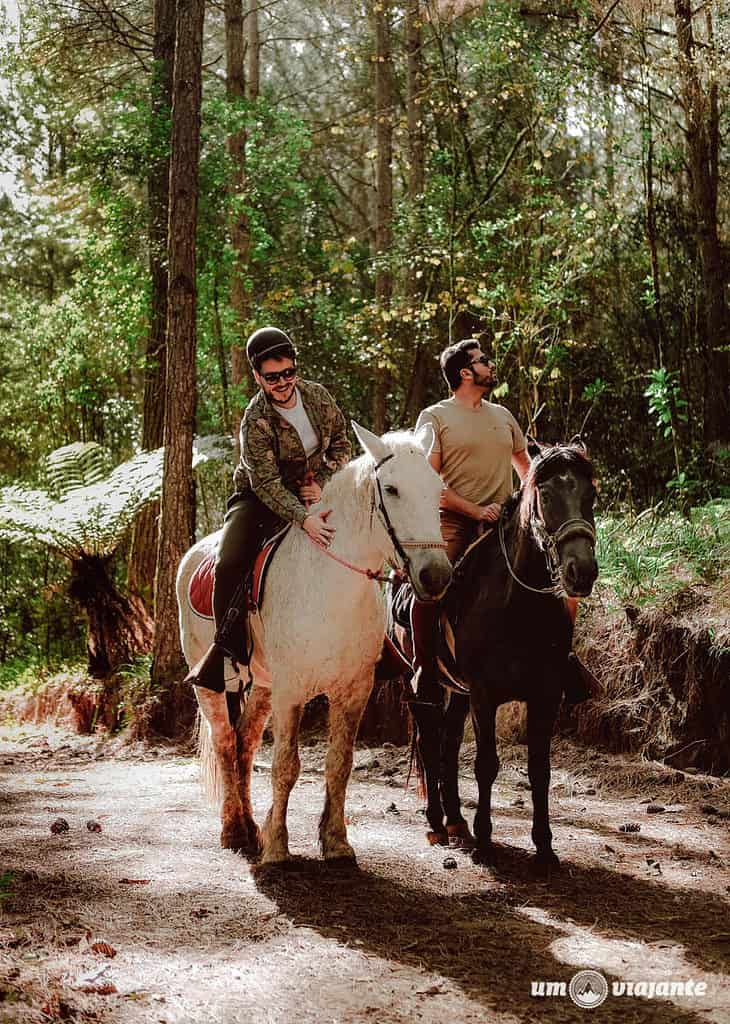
{"points": [[200, 937]]}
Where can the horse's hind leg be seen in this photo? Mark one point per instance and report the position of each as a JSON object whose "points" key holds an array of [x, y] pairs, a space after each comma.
{"points": [[540, 721], [453, 734], [284, 773], [344, 719], [251, 727], [223, 737]]}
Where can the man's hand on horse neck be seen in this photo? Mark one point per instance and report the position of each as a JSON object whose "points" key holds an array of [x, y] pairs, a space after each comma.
{"points": [[317, 527]]}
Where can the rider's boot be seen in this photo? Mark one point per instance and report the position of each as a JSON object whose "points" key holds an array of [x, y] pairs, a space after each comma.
{"points": [[230, 641], [426, 678]]}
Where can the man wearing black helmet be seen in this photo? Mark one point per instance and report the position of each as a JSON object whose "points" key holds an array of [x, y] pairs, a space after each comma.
{"points": [[293, 438]]}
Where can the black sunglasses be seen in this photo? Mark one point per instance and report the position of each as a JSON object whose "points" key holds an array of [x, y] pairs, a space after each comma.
{"points": [[484, 360], [288, 374]]}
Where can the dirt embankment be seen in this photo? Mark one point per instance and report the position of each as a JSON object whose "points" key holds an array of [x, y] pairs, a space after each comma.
{"points": [[665, 675]]}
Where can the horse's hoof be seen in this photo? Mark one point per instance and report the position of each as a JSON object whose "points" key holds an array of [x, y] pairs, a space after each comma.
{"points": [[460, 836], [545, 863], [341, 852], [437, 838], [242, 839], [343, 862], [275, 857], [484, 855]]}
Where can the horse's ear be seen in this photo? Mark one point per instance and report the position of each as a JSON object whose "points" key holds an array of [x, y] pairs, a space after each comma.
{"points": [[370, 442], [426, 438], [578, 442], [533, 448]]}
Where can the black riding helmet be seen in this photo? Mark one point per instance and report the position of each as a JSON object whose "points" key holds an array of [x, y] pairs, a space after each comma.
{"points": [[269, 343]]}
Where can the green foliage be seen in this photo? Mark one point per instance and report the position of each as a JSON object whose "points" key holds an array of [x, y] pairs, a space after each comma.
{"points": [[666, 404], [646, 557]]}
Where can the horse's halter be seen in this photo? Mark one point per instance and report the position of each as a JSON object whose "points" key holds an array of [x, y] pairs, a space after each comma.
{"points": [[382, 511], [398, 546], [576, 527]]}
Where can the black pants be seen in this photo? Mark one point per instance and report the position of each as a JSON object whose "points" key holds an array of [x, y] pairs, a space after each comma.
{"points": [[247, 524]]}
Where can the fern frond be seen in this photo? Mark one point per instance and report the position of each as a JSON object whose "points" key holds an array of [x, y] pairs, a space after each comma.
{"points": [[91, 519], [74, 466]]}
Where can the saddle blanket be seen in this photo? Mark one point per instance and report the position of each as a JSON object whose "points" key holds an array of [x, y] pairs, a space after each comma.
{"points": [[200, 590]]}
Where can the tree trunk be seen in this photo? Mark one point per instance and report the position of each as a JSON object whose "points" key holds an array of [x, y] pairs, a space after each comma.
{"points": [[701, 113], [384, 203], [177, 522], [120, 627], [416, 391], [241, 376], [143, 556]]}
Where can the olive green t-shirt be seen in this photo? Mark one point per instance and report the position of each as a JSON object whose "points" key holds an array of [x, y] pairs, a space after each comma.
{"points": [[476, 447]]}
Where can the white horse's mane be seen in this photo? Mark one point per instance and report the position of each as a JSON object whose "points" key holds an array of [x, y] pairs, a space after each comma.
{"points": [[351, 488]]}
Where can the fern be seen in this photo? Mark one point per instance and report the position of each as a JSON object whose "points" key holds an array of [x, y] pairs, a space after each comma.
{"points": [[75, 466], [90, 518]]}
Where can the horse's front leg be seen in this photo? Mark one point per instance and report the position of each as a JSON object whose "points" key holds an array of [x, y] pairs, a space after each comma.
{"points": [[486, 767], [251, 727], [344, 718], [540, 721], [223, 738], [453, 734], [284, 773]]}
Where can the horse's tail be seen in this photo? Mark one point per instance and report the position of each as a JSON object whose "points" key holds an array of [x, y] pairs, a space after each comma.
{"points": [[210, 775]]}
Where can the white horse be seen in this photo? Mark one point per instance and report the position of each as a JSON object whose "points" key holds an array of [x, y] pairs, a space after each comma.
{"points": [[320, 630]]}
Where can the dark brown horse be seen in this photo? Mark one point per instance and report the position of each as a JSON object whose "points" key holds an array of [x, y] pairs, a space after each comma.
{"points": [[511, 638]]}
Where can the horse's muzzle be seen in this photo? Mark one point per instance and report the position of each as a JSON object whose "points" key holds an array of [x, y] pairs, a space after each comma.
{"points": [[431, 581], [579, 575]]}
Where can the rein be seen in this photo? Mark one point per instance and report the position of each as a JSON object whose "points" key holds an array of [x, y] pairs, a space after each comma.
{"points": [[570, 528], [399, 546]]}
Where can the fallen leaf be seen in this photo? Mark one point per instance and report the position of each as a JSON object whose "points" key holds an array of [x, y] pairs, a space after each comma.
{"points": [[135, 881], [107, 989], [104, 949]]}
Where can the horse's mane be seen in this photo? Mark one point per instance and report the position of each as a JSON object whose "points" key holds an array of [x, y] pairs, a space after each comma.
{"points": [[547, 464], [347, 481]]}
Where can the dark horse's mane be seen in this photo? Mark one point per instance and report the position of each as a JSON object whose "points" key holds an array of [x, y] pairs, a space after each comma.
{"points": [[549, 462]]}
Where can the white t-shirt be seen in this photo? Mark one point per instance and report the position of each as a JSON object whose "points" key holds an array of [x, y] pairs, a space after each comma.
{"points": [[298, 418]]}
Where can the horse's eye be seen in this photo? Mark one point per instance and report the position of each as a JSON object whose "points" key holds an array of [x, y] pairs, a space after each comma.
{"points": [[391, 489]]}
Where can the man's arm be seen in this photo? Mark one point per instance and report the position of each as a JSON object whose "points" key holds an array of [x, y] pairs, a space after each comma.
{"points": [[339, 450], [521, 463], [452, 501]]}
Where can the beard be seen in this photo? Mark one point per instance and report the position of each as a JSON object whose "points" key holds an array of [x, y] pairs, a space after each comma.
{"points": [[284, 396]]}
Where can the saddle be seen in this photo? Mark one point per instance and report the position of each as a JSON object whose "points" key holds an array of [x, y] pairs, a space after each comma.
{"points": [[200, 590]]}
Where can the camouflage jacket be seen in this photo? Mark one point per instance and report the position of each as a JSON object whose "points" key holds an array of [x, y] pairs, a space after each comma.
{"points": [[273, 462]]}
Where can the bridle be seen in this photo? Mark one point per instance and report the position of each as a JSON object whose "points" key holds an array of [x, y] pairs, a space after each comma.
{"points": [[379, 507], [576, 527]]}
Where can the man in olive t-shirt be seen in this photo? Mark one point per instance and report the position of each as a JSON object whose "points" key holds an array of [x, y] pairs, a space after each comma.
{"points": [[476, 444]]}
